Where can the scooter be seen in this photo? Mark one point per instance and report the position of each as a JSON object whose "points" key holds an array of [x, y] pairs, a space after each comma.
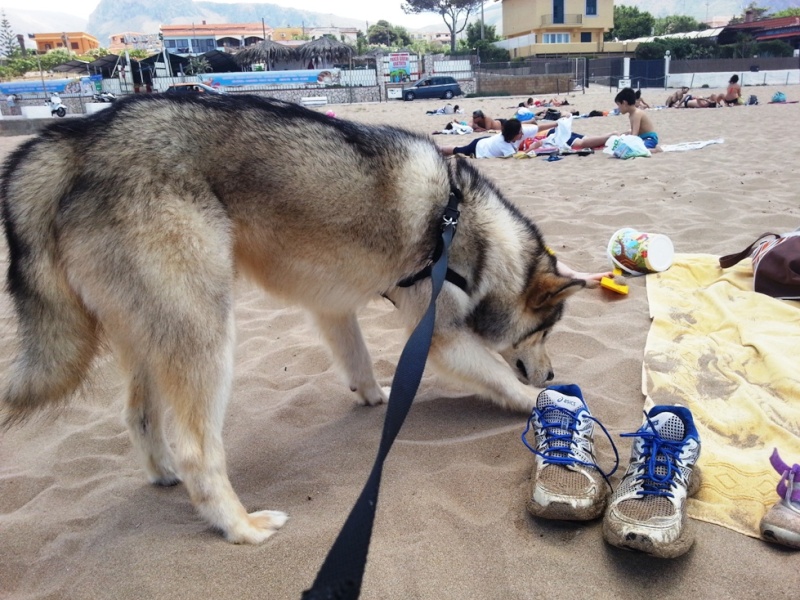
{"points": [[104, 97], [57, 107]]}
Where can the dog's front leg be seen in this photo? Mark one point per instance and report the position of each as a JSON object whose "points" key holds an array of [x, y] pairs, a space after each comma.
{"points": [[350, 354], [462, 358]]}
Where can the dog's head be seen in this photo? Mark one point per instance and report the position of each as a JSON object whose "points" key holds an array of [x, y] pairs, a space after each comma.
{"points": [[540, 308]]}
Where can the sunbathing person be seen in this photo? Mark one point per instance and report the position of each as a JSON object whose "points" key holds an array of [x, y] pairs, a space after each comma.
{"points": [[640, 103], [690, 101], [676, 97], [499, 145], [481, 122], [733, 95]]}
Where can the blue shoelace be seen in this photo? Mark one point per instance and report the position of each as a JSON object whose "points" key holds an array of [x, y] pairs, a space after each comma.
{"points": [[659, 452], [563, 455]]}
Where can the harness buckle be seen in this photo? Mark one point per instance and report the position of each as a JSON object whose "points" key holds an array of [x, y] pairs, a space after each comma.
{"points": [[451, 213]]}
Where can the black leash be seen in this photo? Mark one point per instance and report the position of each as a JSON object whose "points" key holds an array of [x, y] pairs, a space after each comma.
{"points": [[340, 576]]}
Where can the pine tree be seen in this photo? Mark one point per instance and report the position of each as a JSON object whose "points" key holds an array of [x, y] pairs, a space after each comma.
{"points": [[8, 39]]}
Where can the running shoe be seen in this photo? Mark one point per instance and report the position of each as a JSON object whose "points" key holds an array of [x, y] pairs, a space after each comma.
{"points": [[782, 523], [566, 481], [647, 512]]}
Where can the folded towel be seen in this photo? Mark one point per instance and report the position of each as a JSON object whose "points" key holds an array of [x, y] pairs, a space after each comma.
{"points": [[729, 354]]}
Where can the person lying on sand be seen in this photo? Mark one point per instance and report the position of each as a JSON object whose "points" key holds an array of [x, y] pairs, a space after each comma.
{"points": [[690, 101], [481, 122], [500, 145]]}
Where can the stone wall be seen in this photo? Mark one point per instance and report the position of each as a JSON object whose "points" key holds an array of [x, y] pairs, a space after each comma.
{"points": [[490, 84]]}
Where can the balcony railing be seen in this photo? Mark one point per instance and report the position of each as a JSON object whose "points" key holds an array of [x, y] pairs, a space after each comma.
{"points": [[549, 20]]}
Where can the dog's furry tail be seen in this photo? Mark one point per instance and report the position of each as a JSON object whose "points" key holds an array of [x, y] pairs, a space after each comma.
{"points": [[57, 336]]}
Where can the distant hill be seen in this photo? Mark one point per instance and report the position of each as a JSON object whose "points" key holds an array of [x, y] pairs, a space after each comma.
{"points": [[115, 16]]}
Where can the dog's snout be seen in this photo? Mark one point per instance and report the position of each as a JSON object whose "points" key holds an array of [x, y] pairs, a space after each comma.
{"points": [[550, 376], [521, 368]]}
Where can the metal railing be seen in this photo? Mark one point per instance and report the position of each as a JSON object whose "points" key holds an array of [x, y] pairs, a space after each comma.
{"points": [[561, 20]]}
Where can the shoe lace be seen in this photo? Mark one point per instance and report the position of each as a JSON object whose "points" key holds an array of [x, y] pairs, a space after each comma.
{"points": [[563, 453], [658, 454]]}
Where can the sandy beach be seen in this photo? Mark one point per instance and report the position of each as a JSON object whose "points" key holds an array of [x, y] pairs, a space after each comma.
{"points": [[79, 520]]}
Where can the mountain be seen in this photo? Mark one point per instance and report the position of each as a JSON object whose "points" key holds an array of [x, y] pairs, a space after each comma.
{"points": [[703, 9], [115, 16]]}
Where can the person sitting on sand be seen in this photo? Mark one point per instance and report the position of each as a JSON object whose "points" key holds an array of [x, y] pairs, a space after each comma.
{"points": [[677, 96], [640, 103], [733, 95], [481, 122], [641, 124]]}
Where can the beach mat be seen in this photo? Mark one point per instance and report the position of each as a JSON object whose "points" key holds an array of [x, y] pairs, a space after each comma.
{"points": [[730, 356]]}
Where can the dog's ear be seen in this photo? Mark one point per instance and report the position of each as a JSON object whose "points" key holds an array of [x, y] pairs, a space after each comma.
{"points": [[550, 289]]}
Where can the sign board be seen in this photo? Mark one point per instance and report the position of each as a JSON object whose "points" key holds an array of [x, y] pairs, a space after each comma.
{"points": [[399, 67], [624, 82], [394, 93], [318, 76]]}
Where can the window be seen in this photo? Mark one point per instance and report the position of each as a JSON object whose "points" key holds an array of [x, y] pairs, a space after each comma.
{"points": [[586, 37], [555, 38], [74, 45], [591, 8]]}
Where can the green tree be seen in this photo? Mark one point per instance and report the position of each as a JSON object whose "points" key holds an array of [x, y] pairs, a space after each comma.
{"points": [[630, 23], [8, 39], [451, 11], [474, 34], [361, 43], [787, 12], [197, 66], [384, 33], [677, 24], [758, 12]]}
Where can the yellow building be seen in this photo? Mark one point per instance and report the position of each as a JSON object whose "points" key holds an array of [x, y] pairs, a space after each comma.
{"points": [[556, 26], [284, 34], [74, 41]]}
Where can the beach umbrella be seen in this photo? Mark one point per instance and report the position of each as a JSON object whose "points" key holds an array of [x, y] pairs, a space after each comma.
{"points": [[267, 52], [325, 49]]}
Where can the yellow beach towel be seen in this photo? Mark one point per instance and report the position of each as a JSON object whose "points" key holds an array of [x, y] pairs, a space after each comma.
{"points": [[732, 357]]}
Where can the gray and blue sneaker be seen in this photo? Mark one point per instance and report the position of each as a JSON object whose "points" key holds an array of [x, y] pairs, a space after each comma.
{"points": [[647, 512], [566, 482]]}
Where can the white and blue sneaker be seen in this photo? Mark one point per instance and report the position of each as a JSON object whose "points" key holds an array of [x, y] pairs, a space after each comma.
{"points": [[647, 512], [566, 482]]}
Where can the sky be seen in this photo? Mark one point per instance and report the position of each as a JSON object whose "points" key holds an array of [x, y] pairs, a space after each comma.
{"points": [[368, 10]]}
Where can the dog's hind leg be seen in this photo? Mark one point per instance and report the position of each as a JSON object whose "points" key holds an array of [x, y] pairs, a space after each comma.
{"points": [[350, 354], [144, 416]]}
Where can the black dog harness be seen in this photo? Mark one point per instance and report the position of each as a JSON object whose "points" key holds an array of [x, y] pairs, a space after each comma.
{"points": [[451, 276]]}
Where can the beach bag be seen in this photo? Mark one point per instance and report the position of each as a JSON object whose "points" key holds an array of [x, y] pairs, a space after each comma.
{"points": [[776, 264], [752, 100], [779, 97], [551, 115], [626, 146]]}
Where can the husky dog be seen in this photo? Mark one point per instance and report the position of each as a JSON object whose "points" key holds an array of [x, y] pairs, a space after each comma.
{"points": [[129, 226]]}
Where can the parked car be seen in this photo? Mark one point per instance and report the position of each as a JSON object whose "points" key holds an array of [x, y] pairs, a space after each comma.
{"points": [[192, 88], [433, 87]]}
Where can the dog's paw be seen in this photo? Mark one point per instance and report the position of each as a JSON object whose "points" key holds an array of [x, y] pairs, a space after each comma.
{"points": [[372, 395], [257, 527]]}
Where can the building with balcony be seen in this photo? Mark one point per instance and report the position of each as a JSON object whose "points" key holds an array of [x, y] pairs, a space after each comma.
{"points": [[198, 38], [77, 42], [535, 27]]}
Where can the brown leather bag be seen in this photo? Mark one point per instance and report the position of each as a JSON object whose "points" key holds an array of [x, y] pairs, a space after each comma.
{"points": [[776, 264]]}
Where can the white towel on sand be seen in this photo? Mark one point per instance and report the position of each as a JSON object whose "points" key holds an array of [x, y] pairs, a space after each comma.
{"points": [[684, 146]]}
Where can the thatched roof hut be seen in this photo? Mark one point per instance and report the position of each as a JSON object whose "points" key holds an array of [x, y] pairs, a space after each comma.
{"points": [[325, 50], [266, 52]]}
